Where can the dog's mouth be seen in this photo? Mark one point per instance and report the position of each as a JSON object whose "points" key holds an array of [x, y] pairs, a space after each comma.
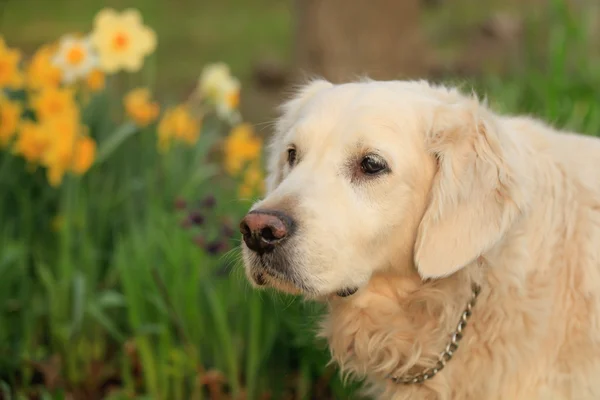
{"points": [[273, 272], [267, 278], [278, 276], [347, 292]]}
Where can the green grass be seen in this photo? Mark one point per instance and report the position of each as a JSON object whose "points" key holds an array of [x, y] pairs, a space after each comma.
{"points": [[124, 293], [124, 287]]}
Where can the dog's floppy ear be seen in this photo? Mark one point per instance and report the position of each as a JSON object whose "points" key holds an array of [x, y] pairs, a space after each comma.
{"points": [[477, 192], [289, 114]]}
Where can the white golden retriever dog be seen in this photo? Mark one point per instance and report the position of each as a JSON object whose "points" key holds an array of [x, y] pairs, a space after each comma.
{"points": [[458, 250]]}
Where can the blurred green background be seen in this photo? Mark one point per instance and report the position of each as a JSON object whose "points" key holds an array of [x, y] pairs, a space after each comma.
{"points": [[125, 282]]}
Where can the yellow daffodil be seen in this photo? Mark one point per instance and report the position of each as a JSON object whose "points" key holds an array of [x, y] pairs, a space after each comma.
{"points": [[41, 72], [241, 147], [253, 183], [220, 88], [57, 163], [52, 102], [75, 57], [139, 107], [65, 132], [178, 124], [95, 80], [228, 99], [65, 128], [32, 142], [84, 155], [212, 79], [10, 74], [10, 116], [122, 41]]}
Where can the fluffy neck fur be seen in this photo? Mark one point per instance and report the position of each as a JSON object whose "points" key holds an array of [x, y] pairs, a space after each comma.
{"points": [[397, 325]]}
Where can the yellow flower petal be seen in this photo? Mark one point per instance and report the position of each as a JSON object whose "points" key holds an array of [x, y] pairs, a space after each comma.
{"points": [[178, 124], [122, 41], [55, 174], [75, 57], [139, 107], [147, 40], [10, 116], [85, 152], [96, 80], [52, 102], [66, 132], [131, 16], [41, 72], [32, 142], [212, 79], [132, 64], [253, 182], [105, 19], [241, 147], [110, 64], [10, 74]]}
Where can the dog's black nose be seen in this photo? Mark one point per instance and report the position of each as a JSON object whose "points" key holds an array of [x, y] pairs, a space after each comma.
{"points": [[264, 229]]}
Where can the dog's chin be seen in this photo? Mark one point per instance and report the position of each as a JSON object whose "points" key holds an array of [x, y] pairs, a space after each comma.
{"points": [[277, 273], [263, 279]]}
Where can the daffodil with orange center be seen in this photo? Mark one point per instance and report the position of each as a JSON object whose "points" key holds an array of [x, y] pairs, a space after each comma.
{"points": [[178, 124], [121, 39], [41, 72], [10, 116], [53, 102], [32, 142], [75, 57], [140, 108], [241, 147], [10, 74]]}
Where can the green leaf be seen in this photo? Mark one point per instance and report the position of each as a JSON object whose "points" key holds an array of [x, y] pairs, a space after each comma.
{"points": [[150, 329], [202, 174], [47, 279], [110, 298], [79, 289], [114, 141], [101, 318], [11, 254]]}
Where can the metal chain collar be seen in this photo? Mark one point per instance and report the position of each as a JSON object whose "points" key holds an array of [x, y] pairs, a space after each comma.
{"points": [[447, 354]]}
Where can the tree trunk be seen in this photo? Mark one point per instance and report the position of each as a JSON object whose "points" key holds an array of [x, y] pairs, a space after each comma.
{"points": [[342, 40]]}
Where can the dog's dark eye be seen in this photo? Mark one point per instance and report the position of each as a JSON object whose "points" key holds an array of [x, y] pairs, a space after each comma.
{"points": [[291, 156], [373, 165]]}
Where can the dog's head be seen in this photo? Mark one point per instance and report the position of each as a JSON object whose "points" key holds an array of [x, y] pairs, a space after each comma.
{"points": [[378, 176]]}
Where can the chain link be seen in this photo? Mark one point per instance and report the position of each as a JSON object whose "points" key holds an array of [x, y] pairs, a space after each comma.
{"points": [[450, 349]]}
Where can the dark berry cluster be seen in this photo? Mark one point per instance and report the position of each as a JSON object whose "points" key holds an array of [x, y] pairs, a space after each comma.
{"points": [[201, 219]]}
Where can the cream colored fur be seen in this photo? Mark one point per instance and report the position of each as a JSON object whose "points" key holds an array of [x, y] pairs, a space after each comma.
{"points": [[507, 202]]}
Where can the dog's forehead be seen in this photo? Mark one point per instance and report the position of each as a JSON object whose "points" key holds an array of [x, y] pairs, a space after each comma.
{"points": [[351, 115]]}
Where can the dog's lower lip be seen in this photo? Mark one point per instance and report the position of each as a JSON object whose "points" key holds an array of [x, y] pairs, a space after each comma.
{"points": [[260, 279], [347, 292]]}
